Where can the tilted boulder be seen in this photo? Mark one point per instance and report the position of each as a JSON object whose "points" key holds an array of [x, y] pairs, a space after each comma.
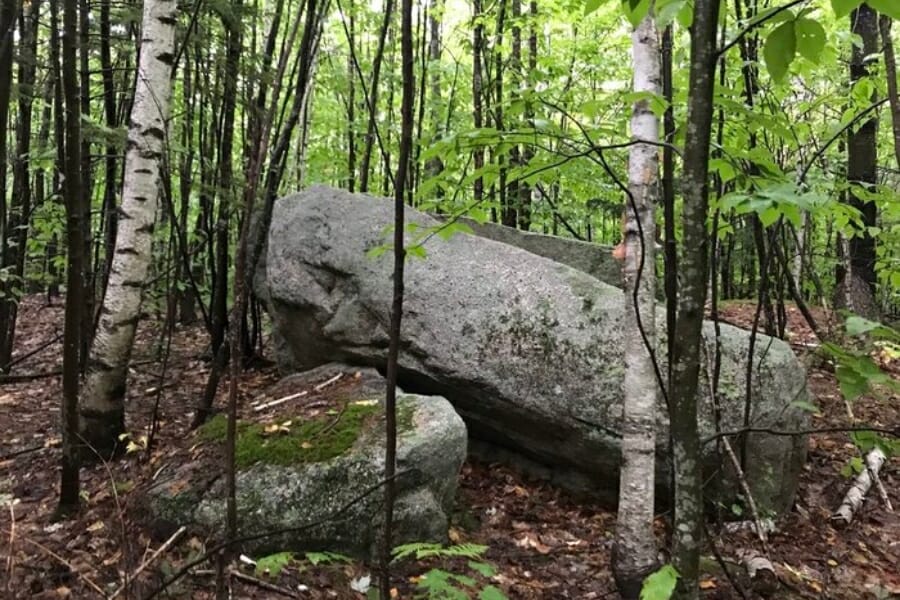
{"points": [[529, 351], [331, 504], [594, 259]]}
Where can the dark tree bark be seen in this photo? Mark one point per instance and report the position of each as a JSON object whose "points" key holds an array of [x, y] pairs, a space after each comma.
{"points": [[74, 315], [435, 165], [390, 401], [369, 141], [8, 12], [87, 186], [14, 253], [351, 101], [670, 257], [111, 182], [524, 216], [478, 94], [890, 70], [857, 288], [232, 25], [187, 299], [688, 521]]}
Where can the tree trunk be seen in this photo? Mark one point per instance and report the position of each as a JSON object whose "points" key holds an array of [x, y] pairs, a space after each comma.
{"points": [[364, 167], [14, 256], [688, 522], [857, 287], [226, 178], [8, 12], [435, 165], [477, 95], [111, 168], [390, 401], [102, 408], [890, 69], [74, 313], [635, 545]]}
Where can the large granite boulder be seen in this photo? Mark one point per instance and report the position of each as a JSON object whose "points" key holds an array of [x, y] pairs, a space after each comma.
{"points": [[594, 259], [528, 350], [341, 495]]}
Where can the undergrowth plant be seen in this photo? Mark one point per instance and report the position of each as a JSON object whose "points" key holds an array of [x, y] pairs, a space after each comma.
{"points": [[442, 584]]}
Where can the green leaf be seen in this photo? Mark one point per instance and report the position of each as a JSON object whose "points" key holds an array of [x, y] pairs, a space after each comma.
{"points": [[592, 5], [482, 568], [317, 558], [779, 50], [273, 564], [810, 38], [890, 8], [807, 406], [377, 251], [842, 8], [667, 11], [661, 584], [448, 230], [491, 593], [857, 325], [416, 251], [636, 10]]}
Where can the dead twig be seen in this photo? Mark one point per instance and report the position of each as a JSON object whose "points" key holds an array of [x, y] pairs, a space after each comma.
{"points": [[168, 543], [12, 543], [271, 587], [16, 453], [280, 401], [325, 384], [249, 579], [742, 480], [56, 337], [63, 561]]}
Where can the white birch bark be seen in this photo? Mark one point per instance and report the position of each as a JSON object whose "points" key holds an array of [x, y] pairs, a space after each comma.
{"points": [[635, 549], [102, 408], [856, 495]]}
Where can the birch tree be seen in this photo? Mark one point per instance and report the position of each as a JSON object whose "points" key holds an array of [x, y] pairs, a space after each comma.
{"points": [[635, 545], [102, 408]]}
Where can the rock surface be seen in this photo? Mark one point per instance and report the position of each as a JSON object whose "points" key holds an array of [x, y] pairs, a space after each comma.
{"points": [[594, 259], [431, 450], [528, 350]]}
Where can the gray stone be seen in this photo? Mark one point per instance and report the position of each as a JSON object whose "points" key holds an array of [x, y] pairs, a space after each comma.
{"points": [[594, 259], [318, 498], [528, 350]]}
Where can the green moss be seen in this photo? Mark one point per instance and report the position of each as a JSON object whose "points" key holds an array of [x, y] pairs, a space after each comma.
{"points": [[405, 413], [311, 441]]}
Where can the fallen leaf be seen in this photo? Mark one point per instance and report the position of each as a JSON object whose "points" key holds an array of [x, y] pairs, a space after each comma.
{"points": [[707, 584], [96, 526]]}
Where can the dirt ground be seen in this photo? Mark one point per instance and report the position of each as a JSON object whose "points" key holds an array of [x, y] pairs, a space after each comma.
{"points": [[543, 543]]}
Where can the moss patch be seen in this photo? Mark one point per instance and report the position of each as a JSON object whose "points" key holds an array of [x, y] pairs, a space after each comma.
{"points": [[311, 441]]}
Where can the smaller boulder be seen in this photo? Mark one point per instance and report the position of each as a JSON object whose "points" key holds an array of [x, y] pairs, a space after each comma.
{"points": [[319, 477]]}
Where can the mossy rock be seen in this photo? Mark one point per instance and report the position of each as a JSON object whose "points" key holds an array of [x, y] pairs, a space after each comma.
{"points": [[317, 471], [295, 441]]}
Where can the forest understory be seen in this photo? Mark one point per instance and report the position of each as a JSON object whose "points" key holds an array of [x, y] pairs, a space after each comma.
{"points": [[543, 543]]}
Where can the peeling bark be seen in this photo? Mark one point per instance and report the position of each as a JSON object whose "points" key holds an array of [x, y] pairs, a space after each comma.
{"points": [[102, 409], [635, 545]]}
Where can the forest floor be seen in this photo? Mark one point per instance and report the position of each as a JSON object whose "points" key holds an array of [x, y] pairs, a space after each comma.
{"points": [[544, 543]]}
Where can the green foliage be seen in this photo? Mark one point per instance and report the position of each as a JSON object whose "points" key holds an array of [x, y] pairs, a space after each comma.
{"points": [[780, 49], [321, 558], [422, 550], [273, 564], [444, 584], [661, 584], [858, 374]]}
